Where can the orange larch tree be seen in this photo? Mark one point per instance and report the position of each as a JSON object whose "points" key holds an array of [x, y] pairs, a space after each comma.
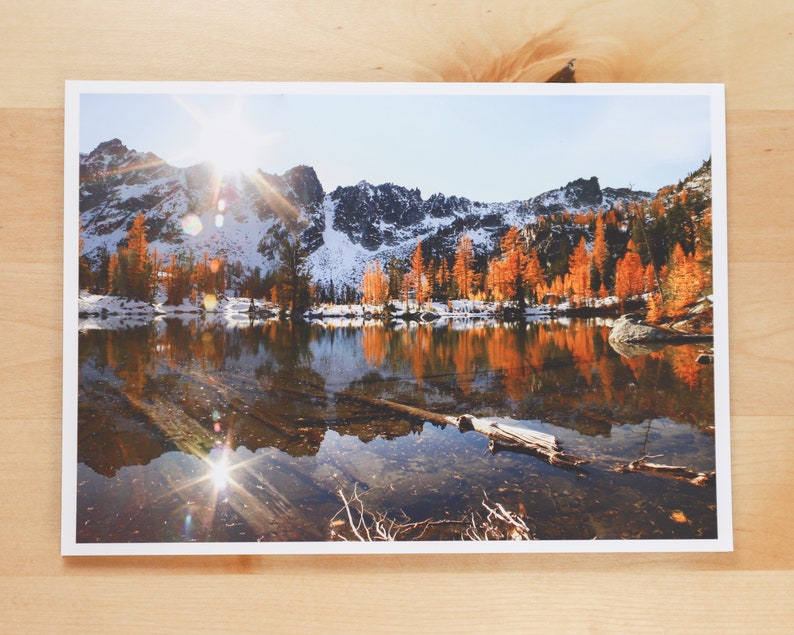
{"points": [[515, 259], [533, 274], [414, 281], [600, 250], [375, 284], [649, 279], [443, 279], [579, 271], [495, 281], [463, 273], [683, 283], [516, 272], [558, 288], [629, 275], [114, 274], [135, 275]]}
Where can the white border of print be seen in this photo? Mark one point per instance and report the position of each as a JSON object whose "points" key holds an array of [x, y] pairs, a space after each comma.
{"points": [[69, 544]]}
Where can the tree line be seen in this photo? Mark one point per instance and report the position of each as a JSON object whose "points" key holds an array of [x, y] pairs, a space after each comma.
{"points": [[656, 251], [136, 270]]}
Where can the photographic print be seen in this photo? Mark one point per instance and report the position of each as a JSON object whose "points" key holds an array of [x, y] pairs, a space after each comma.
{"points": [[358, 318]]}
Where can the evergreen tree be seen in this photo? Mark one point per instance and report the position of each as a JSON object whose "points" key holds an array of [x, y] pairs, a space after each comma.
{"points": [[395, 272], [293, 276], [177, 279]]}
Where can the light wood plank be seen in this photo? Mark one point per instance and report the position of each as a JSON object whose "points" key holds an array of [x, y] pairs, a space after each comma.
{"points": [[614, 40], [747, 45]]}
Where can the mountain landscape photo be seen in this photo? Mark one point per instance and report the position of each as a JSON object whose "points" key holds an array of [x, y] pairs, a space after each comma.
{"points": [[341, 231], [288, 314]]}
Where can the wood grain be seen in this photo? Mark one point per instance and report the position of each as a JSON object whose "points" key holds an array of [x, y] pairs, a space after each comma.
{"points": [[749, 46]]}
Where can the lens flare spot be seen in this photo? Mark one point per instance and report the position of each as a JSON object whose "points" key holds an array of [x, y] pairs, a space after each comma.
{"points": [[220, 475], [210, 302], [217, 427], [218, 220], [216, 416], [191, 224], [215, 265], [221, 205]]}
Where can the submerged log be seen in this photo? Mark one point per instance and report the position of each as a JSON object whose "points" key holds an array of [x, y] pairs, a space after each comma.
{"points": [[540, 444], [677, 472], [267, 514]]}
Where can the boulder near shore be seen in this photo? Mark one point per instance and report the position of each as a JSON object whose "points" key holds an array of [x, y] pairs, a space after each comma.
{"points": [[630, 328]]}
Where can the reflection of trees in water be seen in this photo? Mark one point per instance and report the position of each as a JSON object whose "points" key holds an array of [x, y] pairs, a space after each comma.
{"points": [[110, 431], [565, 373], [263, 386], [277, 385], [187, 367]]}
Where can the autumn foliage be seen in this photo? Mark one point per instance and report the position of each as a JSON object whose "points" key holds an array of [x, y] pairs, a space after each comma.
{"points": [[654, 252], [375, 286], [132, 269], [463, 274]]}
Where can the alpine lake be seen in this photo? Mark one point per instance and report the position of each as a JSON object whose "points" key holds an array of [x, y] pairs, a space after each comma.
{"points": [[197, 428]]}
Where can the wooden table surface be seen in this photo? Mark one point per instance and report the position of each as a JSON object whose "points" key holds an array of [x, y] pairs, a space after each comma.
{"points": [[747, 45]]}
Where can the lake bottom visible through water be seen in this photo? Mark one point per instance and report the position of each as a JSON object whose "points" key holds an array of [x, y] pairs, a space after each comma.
{"points": [[197, 431]]}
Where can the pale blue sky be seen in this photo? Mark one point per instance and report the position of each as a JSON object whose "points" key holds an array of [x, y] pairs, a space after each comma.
{"points": [[485, 147]]}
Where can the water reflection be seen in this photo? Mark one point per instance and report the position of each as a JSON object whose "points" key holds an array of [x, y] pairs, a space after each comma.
{"points": [[246, 424]]}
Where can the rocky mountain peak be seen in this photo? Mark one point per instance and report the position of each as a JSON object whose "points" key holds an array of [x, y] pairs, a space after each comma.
{"points": [[584, 193], [342, 230], [114, 147], [303, 181]]}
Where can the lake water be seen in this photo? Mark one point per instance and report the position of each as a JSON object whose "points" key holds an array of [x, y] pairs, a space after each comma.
{"points": [[202, 430]]}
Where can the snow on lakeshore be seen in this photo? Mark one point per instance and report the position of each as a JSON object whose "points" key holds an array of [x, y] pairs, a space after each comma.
{"points": [[429, 312], [91, 304], [114, 312]]}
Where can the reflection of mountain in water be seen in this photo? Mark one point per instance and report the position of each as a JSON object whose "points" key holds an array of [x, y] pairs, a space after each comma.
{"points": [[188, 386]]}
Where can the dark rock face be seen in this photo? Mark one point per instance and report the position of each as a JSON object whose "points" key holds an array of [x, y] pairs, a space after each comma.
{"points": [[375, 215], [584, 193], [303, 182], [291, 198]]}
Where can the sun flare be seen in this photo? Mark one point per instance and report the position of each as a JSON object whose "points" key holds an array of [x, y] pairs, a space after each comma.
{"points": [[220, 474], [228, 140]]}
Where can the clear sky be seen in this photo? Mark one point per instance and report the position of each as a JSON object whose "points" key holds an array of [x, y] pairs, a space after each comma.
{"points": [[485, 147]]}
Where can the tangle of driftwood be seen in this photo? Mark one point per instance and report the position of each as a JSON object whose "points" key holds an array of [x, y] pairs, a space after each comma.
{"points": [[367, 526], [677, 472]]}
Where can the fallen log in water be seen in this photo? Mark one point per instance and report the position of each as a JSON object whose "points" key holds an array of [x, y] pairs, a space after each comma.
{"points": [[180, 429], [677, 472], [500, 435], [267, 514]]}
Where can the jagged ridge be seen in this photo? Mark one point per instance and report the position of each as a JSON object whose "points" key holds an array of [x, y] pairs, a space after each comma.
{"points": [[342, 230]]}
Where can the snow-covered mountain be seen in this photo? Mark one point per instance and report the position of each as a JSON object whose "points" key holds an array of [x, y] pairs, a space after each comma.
{"points": [[245, 218]]}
